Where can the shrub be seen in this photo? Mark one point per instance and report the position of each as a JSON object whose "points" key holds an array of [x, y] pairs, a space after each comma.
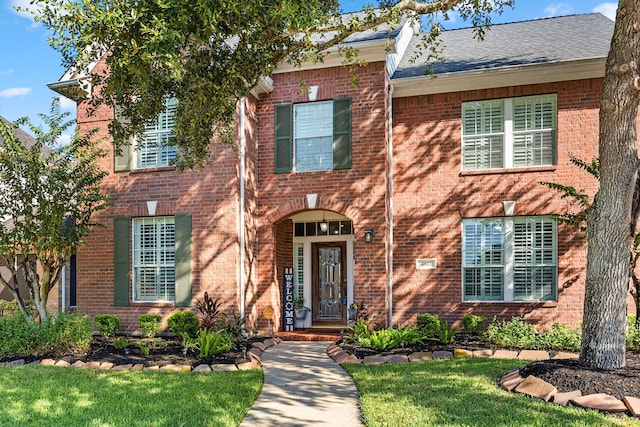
{"points": [[120, 343], [426, 323], [107, 324], [383, 340], [512, 334], [474, 323], [560, 337], [208, 311], [17, 337], [443, 333], [184, 322], [149, 324], [211, 343], [409, 335], [633, 334], [358, 332], [71, 332]]}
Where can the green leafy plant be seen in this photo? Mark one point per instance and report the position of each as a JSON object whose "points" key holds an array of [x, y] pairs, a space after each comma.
{"points": [[144, 349], [385, 339], [513, 334], [474, 323], [407, 335], [184, 322], [632, 339], [443, 332], [359, 331], [208, 311], [149, 324], [426, 322], [211, 343], [560, 337], [233, 325], [107, 324], [120, 343]]}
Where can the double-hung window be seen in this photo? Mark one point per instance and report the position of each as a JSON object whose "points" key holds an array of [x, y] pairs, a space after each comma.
{"points": [[154, 259], [509, 133], [153, 148], [313, 136], [509, 259]]}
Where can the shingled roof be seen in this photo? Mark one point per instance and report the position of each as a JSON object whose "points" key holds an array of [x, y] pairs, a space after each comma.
{"points": [[539, 41], [22, 136]]}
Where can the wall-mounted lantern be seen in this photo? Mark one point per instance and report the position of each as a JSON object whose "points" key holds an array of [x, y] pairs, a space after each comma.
{"points": [[368, 235]]}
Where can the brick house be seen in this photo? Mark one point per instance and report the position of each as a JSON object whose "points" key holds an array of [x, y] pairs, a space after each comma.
{"points": [[408, 193]]}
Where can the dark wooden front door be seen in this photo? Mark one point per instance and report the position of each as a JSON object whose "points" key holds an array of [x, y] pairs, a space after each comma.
{"points": [[329, 289]]}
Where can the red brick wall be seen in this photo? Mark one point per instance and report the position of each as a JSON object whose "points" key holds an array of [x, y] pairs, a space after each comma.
{"points": [[432, 196], [358, 193], [210, 196]]}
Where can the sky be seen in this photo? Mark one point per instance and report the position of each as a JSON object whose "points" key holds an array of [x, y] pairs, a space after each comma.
{"points": [[28, 63]]}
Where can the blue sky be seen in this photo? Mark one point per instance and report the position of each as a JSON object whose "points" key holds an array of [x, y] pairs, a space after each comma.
{"points": [[27, 63]]}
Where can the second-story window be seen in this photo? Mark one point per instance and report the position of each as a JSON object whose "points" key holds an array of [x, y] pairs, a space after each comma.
{"points": [[153, 146]]}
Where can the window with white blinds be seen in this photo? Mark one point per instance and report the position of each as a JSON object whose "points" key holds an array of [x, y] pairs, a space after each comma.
{"points": [[509, 133], [153, 148], [313, 136], [154, 259], [509, 259]]}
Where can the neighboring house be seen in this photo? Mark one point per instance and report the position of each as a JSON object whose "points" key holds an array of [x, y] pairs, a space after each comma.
{"points": [[408, 193], [58, 301]]}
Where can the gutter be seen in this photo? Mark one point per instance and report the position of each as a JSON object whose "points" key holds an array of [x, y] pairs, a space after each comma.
{"points": [[241, 225], [390, 207]]}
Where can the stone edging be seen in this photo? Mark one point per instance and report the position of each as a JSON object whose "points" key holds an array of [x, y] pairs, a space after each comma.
{"points": [[512, 381], [253, 362]]}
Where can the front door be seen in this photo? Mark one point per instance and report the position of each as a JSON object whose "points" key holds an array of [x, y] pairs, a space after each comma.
{"points": [[329, 286]]}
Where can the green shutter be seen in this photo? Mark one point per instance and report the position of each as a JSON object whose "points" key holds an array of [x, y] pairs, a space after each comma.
{"points": [[183, 260], [121, 160], [284, 138], [121, 283], [342, 133]]}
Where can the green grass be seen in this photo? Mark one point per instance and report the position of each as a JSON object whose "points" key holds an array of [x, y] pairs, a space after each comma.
{"points": [[50, 396], [459, 392]]}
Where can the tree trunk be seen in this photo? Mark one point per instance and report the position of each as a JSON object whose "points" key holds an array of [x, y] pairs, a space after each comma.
{"points": [[611, 219]]}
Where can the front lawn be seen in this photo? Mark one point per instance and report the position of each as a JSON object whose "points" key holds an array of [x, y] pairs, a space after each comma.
{"points": [[459, 392], [51, 396]]}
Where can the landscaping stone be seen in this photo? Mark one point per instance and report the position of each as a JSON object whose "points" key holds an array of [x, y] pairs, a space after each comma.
{"points": [[511, 380], [171, 367], [92, 365], [137, 367], [335, 350], [351, 359], [397, 358], [505, 354], [3, 364], [341, 357], [565, 355], [535, 387], [105, 366], [247, 366], [151, 368], [78, 364], [461, 353], [125, 367], [483, 353], [221, 367], [255, 357], [442, 354], [202, 368], [601, 402], [259, 345], [374, 360], [62, 363], [269, 343], [255, 351], [420, 355], [533, 355], [564, 398], [633, 404], [185, 368], [33, 362], [47, 362], [18, 362]]}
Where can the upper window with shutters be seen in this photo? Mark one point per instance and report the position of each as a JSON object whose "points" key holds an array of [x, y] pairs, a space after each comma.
{"points": [[509, 133], [151, 149], [314, 136]]}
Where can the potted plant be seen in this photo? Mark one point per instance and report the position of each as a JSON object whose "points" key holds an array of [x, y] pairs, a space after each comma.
{"points": [[300, 309]]}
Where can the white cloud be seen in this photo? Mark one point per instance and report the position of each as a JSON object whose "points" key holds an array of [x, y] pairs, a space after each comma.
{"points": [[607, 9], [14, 91], [63, 140], [6, 72], [67, 104], [558, 9]]}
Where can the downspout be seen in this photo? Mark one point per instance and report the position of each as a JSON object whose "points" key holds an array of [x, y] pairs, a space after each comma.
{"points": [[63, 285], [390, 213], [241, 225]]}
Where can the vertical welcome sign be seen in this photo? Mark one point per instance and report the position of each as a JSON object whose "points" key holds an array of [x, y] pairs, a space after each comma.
{"points": [[289, 312]]}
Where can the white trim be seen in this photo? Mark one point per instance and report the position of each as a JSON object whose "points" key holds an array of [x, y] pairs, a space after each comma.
{"points": [[241, 225], [500, 77], [390, 209]]}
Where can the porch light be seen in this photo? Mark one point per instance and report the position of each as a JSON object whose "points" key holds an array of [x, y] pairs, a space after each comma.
{"points": [[368, 235], [324, 225]]}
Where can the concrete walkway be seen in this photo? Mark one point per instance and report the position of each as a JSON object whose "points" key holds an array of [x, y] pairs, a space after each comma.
{"points": [[304, 387]]}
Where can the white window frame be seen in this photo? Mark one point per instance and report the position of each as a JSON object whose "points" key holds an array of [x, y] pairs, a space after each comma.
{"points": [[156, 260], [310, 142], [508, 134], [151, 148], [537, 258]]}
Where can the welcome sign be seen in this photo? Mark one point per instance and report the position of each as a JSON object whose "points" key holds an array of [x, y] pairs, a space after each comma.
{"points": [[289, 312]]}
